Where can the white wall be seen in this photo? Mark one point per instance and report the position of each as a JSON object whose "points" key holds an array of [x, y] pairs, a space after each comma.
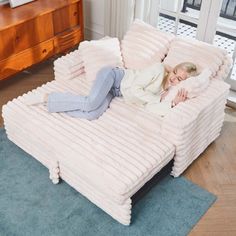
{"points": [[94, 19]]}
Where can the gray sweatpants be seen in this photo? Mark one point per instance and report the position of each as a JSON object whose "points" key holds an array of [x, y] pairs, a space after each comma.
{"points": [[105, 87]]}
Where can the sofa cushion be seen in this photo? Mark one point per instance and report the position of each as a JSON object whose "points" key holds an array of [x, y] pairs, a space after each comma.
{"points": [[69, 66], [100, 53], [144, 45], [202, 54]]}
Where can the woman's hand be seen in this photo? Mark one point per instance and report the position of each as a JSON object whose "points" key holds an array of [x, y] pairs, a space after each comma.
{"points": [[181, 96]]}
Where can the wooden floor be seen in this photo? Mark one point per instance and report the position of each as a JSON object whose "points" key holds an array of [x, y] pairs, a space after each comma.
{"points": [[215, 170]]}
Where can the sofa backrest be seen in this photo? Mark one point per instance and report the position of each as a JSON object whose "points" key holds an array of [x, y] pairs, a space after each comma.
{"points": [[202, 54], [144, 45]]}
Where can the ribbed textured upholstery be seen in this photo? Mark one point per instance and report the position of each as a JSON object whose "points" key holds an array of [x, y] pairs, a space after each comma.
{"points": [[144, 45], [69, 67], [202, 54], [194, 124], [100, 53], [107, 160]]}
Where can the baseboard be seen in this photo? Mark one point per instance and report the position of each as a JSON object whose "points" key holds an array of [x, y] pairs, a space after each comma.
{"points": [[91, 34]]}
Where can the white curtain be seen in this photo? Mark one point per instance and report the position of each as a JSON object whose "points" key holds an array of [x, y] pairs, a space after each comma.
{"points": [[119, 14], [147, 10], [142, 9]]}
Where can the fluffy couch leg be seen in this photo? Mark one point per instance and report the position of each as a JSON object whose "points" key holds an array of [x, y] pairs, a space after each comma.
{"points": [[54, 173]]}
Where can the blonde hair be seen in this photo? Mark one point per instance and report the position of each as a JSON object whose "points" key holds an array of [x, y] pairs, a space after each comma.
{"points": [[189, 67]]}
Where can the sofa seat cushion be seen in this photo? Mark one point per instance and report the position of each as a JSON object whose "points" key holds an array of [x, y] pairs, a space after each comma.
{"points": [[117, 153]]}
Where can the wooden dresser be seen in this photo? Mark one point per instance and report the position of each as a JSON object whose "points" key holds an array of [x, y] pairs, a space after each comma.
{"points": [[36, 31]]}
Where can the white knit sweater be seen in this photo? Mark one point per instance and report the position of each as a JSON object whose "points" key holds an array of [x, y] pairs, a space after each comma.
{"points": [[143, 87]]}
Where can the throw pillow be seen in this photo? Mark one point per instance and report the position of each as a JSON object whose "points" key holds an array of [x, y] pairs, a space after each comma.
{"points": [[97, 54], [194, 85]]}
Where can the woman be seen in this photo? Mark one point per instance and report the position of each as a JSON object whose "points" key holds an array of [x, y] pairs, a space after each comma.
{"points": [[142, 87]]}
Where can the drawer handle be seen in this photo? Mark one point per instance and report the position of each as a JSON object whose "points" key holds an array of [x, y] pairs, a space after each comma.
{"points": [[17, 39], [44, 50], [70, 34], [75, 13]]}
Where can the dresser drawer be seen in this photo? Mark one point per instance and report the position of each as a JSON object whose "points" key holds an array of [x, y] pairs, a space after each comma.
{"points": [[66, 17], [28, 57], [33, 32], [67, 39], [6, 43]]}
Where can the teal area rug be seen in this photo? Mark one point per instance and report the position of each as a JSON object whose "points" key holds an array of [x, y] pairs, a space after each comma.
{"points": [[31, 205]]}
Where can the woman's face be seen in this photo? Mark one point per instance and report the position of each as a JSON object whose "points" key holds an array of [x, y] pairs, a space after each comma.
{"points": [[177, 76]]}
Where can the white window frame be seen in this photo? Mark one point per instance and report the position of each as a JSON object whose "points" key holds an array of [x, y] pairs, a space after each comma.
{"points": [[207, 22]]}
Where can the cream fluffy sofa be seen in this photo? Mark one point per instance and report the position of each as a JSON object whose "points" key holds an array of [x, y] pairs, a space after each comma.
{"points": [[108, 160]]}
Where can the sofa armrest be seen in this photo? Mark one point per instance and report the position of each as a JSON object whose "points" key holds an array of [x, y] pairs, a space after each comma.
{"points": [[193, 125], [224, 70], [69, 66]]}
